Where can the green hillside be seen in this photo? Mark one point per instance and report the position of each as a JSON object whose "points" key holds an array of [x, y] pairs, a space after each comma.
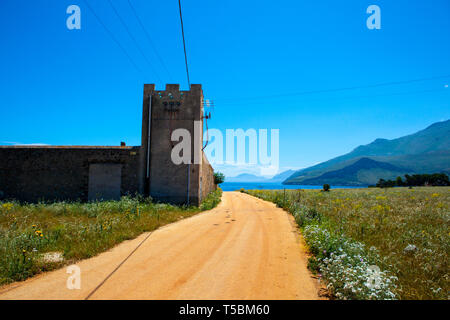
{"points": [[426, 151], [364, 171]]}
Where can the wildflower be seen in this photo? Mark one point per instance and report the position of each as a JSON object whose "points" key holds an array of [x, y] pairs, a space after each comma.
{"points": [[380, 208], [7, 206], [410, 248]]}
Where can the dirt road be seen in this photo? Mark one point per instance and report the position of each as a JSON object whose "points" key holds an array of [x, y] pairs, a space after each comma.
{"points": [[245, 248]]}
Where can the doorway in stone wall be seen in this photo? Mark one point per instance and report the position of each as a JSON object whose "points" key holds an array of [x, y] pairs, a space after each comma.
{"points": [[105, 180]]}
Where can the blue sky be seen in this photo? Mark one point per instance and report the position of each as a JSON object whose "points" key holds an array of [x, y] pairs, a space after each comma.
{"points": [[77, 87]]}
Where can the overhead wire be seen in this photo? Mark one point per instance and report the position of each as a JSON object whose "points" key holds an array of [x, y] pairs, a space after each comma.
{"points": [[149, 39], [134, 40], [345, 98], [112, 36], [337, 89], [184, 44]]}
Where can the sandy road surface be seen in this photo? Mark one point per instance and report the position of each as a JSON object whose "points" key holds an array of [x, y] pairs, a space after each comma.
{"points": [[245, 248]]}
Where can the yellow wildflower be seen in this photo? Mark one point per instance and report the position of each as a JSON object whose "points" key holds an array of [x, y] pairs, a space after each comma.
{"points": [[7, 206]]}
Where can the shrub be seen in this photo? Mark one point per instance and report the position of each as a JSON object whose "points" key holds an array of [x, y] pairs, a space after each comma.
{"points": [[326, 187], [212, 200], [304, 215], [219, 177], [435, 179], [350, 270]]}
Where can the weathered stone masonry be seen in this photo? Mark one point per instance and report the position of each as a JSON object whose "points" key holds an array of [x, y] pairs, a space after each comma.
{"points": [[171, 109], [33, 173]]}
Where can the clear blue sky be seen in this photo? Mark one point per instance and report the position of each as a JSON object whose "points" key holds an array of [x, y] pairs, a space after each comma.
{"points": [[77, 87]]}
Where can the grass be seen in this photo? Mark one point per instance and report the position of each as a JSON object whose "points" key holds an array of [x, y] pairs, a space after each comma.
{"points": [[77, 230], [404, 232]]}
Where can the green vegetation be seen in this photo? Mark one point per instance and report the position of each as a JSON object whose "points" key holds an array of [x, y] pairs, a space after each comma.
{"points": [[326, 187], [212, 200], [77, 230], [219, 177], [425, 151], [404, 232], [436, 179]]}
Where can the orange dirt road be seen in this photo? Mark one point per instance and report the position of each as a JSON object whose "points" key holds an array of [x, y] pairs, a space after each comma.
{"points": [[246, 248]]}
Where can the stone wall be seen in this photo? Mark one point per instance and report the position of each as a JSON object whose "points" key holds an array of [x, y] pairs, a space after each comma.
{"points": [[31, 173], [168, 110], [207, 178]]}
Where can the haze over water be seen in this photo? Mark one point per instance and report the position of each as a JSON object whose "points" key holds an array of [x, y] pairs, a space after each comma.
{"points": [[233, 186]]}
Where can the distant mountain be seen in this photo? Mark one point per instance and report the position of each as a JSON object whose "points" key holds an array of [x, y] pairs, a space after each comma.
{"points": [[426, 151], [247, 177], [282, 176], [364, 171]]}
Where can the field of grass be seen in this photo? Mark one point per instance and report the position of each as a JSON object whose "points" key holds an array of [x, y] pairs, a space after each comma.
{"points": [[403, 232], [77, 230]]}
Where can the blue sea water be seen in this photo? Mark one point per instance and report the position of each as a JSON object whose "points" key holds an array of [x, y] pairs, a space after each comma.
{"points": [[233, 186]]}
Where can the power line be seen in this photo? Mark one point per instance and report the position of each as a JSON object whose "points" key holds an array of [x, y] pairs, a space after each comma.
{"points": [[112, 36], [134, 39], [149, 39], [339, 89], [349, 98], [184, 45]]}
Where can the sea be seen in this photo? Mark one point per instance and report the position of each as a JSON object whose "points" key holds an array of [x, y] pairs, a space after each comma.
{"points": [[233, 186]]}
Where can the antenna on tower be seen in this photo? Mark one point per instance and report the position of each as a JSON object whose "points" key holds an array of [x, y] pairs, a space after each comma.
{"points": [[208, 103]]}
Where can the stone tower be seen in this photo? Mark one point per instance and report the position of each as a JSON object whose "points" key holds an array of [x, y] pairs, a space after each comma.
{"points": [[163, 112]]}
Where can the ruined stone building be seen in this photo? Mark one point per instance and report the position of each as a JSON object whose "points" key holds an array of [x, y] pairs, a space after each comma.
{"points": [[33, 173]]}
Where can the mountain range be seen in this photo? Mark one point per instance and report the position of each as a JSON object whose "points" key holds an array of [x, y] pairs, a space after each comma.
{"points": [[247, 177], [426, 151]]}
